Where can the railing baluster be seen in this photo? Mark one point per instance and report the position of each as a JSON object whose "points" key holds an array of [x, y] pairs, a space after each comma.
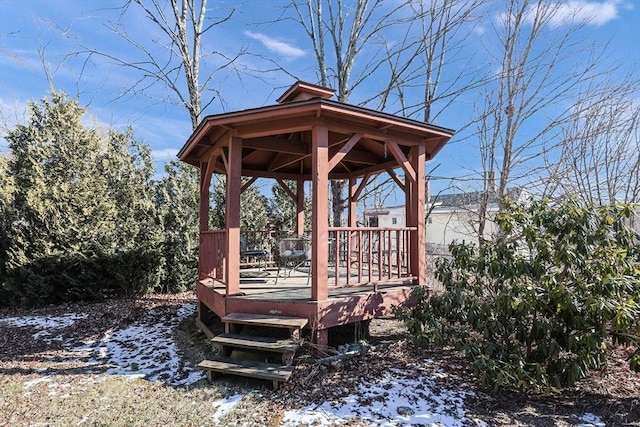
{"points": [[369, 254], [336, 257], [389, 254], [357, 249], [379, 240], [407, 248], [360, 249], [348, 255], [398, 252]]}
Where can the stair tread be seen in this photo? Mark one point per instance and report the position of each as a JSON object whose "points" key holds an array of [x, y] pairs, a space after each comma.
{"points": [[265, 320], [253, 342], [247, 368]]}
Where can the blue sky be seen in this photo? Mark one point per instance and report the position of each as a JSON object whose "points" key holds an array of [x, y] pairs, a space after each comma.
{"points": [[58, 27]]}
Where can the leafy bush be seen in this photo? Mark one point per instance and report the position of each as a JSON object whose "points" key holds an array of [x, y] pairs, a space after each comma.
{"points": [[537, 305]]}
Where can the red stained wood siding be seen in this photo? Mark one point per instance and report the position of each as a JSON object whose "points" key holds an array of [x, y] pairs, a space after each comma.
{"points": [[213, 247], [320, 213], [362, 256]]}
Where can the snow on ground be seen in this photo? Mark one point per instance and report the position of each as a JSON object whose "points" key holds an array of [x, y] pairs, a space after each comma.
{"points": [[589, 420], [226, 406], [44, 325], [144, 350], [147, 350], [140, 350], [397, 399]]}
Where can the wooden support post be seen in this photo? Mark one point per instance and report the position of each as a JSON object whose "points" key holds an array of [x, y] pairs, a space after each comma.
{"points": [[353, 202], [319, 219], [408, 197], [205, 180], [418, 250], [300, 207], [321, 339], [234, 185], [410, 222]]}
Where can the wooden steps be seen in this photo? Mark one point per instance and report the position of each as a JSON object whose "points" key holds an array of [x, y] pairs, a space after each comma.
{"points": [[263, 339], [258, 343], [246, 368], [294, 324]]}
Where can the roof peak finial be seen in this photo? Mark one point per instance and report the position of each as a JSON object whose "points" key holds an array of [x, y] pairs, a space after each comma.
{"points": [[301, 91]]}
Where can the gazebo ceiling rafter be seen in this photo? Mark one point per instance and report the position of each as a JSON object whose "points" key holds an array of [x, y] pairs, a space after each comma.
{"points": [[277, 144], [344, 150], [284, 160]]}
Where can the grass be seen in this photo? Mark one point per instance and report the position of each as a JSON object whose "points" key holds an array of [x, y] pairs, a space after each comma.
{"points": [[107, 400], [73, 398]]}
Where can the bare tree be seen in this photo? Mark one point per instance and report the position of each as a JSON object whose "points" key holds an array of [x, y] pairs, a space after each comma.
{"points": [[600, 153], [538, 67], [401, 45], [431, 59], [173, 56], [347, 30]]}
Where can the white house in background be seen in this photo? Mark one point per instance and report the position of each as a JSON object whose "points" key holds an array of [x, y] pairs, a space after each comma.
{"points": [[392, 216], [449, 217]]}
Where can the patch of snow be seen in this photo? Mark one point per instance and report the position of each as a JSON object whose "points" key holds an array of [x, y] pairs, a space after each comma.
{"points": [[31, 383], [93, 380], [42, 322], [185, 311], [589, 420], [225, 406], [397, 399], [143, 350]]}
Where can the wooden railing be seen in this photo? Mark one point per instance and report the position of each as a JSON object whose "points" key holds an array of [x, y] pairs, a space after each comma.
{"points": [[368, 255], [357, 256], [213, 247]]}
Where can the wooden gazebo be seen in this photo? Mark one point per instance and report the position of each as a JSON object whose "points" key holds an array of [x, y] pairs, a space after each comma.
{"points": [[356, 273]]}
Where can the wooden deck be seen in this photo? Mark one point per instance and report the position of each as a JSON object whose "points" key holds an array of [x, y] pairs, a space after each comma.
{"points": [[295, 288], [292, 296]]}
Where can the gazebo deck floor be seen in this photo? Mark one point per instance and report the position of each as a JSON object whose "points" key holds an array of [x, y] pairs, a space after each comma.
{"points": [[292, 296], [261, 284]]}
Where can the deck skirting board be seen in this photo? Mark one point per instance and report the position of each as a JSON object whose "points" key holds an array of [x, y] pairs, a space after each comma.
{"points": [[351, 307]]}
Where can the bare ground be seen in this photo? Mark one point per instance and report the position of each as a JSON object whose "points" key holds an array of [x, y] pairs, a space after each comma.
{"points": [[613, 395]]}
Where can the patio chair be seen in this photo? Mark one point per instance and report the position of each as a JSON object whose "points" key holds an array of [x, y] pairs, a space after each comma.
{"points": [[252, 255], [293, 253]]}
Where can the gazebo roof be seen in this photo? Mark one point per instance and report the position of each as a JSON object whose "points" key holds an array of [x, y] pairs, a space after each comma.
{"points": [[276, 139]]}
